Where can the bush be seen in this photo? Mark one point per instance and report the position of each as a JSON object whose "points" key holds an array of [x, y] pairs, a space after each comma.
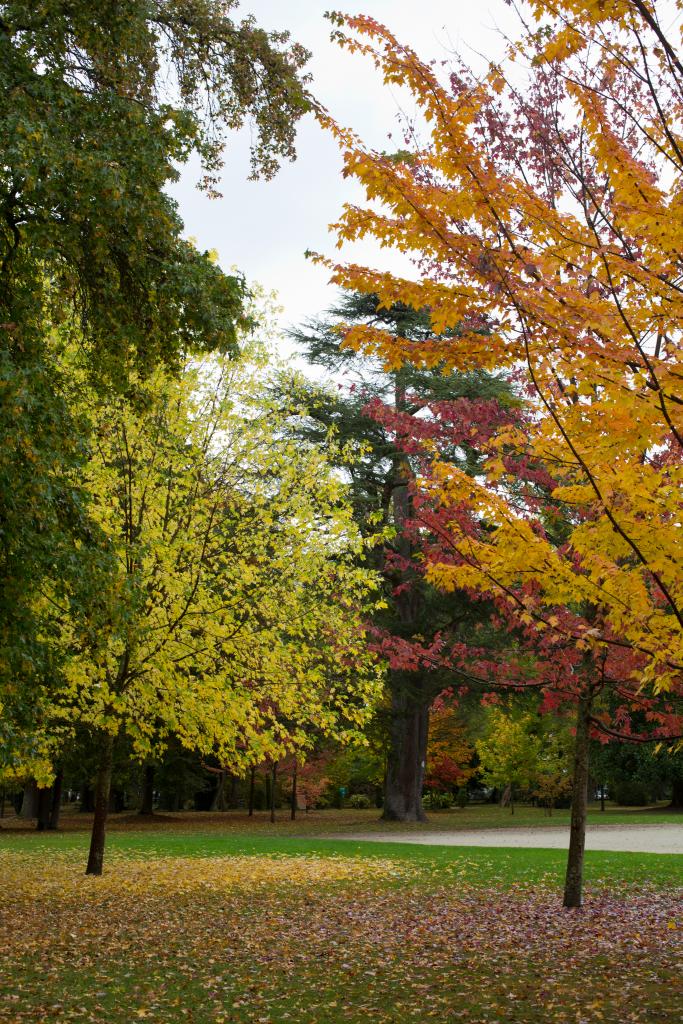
{"points": [[435, 801], [462, 799], [630, 793], [360, 802]]}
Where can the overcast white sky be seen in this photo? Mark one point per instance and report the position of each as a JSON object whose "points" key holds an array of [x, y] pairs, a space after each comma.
{"points": [[266, 227]]}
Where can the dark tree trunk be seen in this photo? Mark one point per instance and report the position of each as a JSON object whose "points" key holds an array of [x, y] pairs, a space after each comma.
{"points": [[677, 795], [252, 784], [573, 886], [407, 752], [2, 802], [272, 790], [293, 814], [147, 804], [268, 787], [102, 791], [409, 723], [56, 805], [44, 806], [29, 803], [87, 799], [602, 797]]}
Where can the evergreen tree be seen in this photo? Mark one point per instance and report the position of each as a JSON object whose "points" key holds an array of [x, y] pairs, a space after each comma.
{"points": [[372, 411]]}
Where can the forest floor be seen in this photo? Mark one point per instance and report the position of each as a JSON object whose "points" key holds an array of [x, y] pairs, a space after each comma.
{"points": [[235, 927]]}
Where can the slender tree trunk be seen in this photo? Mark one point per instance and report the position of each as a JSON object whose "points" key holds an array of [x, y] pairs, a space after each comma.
{"points": [[268, 788], [2, 802], [252, 783], [272, 791], [56, 804], [102, 792], [602, 797], [218, 802], [573, 886], [293, 814], [147, 804], [512, 798], [407, 753]]}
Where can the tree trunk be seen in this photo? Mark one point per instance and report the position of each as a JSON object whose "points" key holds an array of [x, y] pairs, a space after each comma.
{"points": [[677, 795], [252, 783], [573, 886], [56, 806], [102, 791], [272, 791], [293, 814], [512, 798], [267, 783], [87, 802], [147, 804], [602, 797], [44, 805], [29, 803], [407, 753], [218, 802]]}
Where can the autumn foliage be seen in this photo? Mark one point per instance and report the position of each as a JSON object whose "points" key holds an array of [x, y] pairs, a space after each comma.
{"points": [[545, 215]]}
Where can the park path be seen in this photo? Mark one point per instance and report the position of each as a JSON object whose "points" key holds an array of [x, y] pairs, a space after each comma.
{"points": [[626, 838]]}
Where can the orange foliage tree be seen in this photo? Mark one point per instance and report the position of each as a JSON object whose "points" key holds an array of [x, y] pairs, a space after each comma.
{"points": [[542, 202]]}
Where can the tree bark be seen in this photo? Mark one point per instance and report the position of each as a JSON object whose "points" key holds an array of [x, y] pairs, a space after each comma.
{"points": [[407, 753], [56, 806], [252, 784], [102, 791], [573, 886], [29, 803], [293, 813], [272, 791], [147, 804]]}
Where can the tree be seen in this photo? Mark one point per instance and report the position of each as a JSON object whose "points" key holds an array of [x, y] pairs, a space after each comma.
{"points": [[545, 215], [99, 106], [230, 616], [377, 415], [449, 751], [508, 753]]}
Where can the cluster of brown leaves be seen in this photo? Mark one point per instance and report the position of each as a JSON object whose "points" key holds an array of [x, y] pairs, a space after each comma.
{"points": [[322, 939]]}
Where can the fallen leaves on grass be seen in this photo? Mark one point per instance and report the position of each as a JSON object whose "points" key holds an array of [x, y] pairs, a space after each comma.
{"points": [[323, 939]]}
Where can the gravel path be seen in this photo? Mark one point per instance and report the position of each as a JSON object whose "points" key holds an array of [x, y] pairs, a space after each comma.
{"points": [[627, 838]]}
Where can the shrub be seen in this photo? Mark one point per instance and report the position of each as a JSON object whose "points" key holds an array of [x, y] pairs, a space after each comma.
{"points": [[359, 802], [436, 801], [630, 793], [462, 799]]}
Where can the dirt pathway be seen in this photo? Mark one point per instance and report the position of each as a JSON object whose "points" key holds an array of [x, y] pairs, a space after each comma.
{"points": [[627, 838]]}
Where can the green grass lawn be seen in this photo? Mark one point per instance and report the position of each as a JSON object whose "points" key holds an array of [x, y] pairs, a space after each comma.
{"points": [[216, 927]]}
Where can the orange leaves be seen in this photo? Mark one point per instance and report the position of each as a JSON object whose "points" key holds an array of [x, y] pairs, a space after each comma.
{"points": [[546, 222]]}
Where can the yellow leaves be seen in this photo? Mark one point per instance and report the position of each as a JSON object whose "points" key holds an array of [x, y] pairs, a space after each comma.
{"points": [[564, 45]]}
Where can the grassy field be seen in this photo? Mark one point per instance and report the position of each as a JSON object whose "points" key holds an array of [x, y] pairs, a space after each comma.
{"points": [[221, 926], [475, 816]]}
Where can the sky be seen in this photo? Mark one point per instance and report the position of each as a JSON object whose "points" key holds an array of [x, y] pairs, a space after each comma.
{"points": [[265, 228]]}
